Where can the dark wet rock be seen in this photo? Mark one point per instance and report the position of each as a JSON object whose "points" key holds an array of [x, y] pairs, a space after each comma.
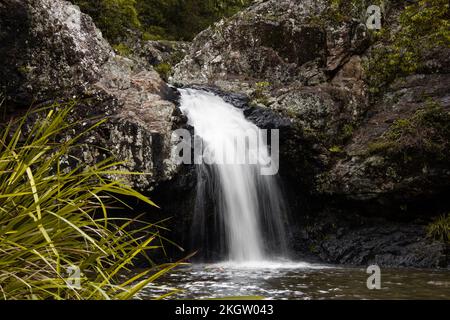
{"points": [[265, 118], [349, 239]]}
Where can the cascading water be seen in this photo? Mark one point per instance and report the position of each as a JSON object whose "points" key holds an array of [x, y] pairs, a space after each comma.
{"points": [[249, 206]]}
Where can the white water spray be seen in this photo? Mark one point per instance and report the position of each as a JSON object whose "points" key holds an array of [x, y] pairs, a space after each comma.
{"points": [[250, 205]]}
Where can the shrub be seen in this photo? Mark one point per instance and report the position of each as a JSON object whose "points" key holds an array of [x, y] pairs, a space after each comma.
{"points": [[164, 69], [336, 149], [53, 217], [261, 93], [114, 17], [439, 229], [123, 49]]}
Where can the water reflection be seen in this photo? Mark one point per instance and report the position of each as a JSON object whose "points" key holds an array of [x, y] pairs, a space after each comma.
{"points": [[287, 280]]}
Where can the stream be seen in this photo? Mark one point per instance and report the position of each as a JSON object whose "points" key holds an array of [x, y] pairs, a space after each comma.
{"points": [[297, 281]]}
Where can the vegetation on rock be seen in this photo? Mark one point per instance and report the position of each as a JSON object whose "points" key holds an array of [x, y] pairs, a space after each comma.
{"points": [[115, 18], [424, 27], [262, 93], [164, 69], [344, 10], [123, 50], [157, 19], [424, 137], [439, 229]]}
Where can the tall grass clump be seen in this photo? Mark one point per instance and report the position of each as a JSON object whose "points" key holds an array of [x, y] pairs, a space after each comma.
{"points": [[439, 229], [54, 218]]}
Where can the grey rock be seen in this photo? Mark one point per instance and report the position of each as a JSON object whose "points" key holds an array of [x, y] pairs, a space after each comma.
{"points": [[53, 52]]}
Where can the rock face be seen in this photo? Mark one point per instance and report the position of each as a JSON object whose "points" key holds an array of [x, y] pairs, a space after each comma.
{"points": [[401, 150], [142, 120], [278, 42], [277, 53], [349, 239], [343, 150], [51, 51], [158, 52]]}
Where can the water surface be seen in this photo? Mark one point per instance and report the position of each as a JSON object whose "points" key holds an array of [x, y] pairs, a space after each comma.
{"points": [[298, 281]]}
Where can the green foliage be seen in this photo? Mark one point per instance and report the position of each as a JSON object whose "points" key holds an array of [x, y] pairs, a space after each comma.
{"points": [[25, 69], [54, 217], [182, 20], [347, 132], [344, 10], [153, 34], [122, 49], [380, 147], [340, 11], [336, 149], [261, 93], [262, 86], [439, 229], [164, 69], [424, 136], [424, 26], [157, 19], [114, 17]]}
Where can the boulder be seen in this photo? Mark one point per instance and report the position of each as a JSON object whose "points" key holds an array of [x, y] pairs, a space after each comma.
{"points": [[280, 42], [52, 52]]}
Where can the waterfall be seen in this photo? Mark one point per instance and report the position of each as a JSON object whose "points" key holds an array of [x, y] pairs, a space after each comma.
{"points": [[248, 207]]}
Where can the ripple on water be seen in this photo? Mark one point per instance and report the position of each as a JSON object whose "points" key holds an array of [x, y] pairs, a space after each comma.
{"points": [[296, 280]]}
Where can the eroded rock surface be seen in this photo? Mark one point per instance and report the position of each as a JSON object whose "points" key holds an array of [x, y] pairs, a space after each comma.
{"points": [[277, 41], [53, 52]]}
